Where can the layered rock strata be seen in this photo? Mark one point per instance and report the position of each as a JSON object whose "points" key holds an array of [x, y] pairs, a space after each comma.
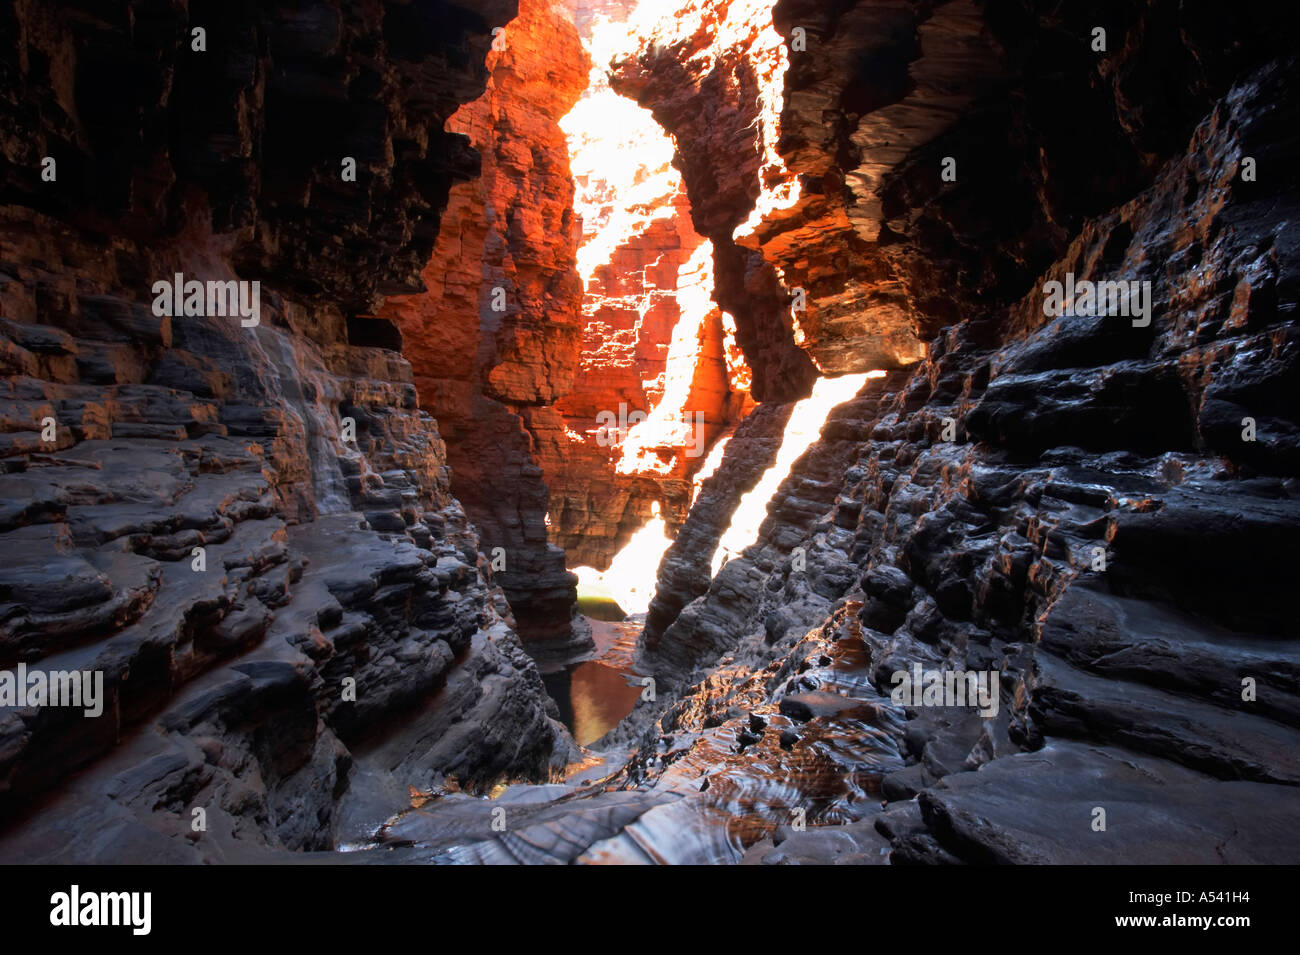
{"points": [[1084, 537], [1080, 509], [1050, 541], [568, 289], [885, 95], [659, 357], [1084, 506], [495, 338], [712, 78], [246, 530]]}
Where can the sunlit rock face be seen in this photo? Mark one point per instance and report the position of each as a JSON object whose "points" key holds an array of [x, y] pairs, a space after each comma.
{"points": [[761, 458], [889, 250], [581, 219], [660, 373], [1024, 500], [711, 74], [821, 160], [231, 522], [848, 134], [495, 339], [868, 84], [1089, 508], [763, 130]]}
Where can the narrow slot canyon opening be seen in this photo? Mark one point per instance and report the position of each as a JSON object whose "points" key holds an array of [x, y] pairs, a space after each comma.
{"points": [[584, 341], [805, 425], [569, 344], [662, 381]]}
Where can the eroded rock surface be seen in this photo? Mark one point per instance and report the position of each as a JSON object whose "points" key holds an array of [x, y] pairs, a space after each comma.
{"points": [[1086, 535], [494, 339], [711, 74], [248, 531], [1076, 504], [1091, 510]]}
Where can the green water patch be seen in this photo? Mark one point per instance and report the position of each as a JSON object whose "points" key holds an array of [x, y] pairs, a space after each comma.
{"points": [[595, 601], [600, 607]]}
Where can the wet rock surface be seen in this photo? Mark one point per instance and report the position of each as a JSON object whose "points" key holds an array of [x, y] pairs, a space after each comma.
{"points": [[247, 531], [1060, 502], [1131, 654]]}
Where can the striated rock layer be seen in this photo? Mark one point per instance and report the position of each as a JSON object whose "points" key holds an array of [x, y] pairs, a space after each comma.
{"points": [[1086, 508], [1120, 679], [248, 532], [711, 75], [568, 298], [661, 377], [495, 339], [891, 251], [1077, 504]]}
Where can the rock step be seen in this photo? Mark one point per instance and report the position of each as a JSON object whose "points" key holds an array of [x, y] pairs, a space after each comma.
{"points": [[1040, 807], [1160, 646], [1227, 743], [137, 799], [193, 622], [546, 824]]}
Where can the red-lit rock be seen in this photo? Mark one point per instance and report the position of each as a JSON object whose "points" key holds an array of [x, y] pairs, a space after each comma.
{"points": [[711, 75], [496, 334]]}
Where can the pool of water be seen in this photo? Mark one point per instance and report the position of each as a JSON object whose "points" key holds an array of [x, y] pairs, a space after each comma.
{"points": [[596, 607], [595, 694]]}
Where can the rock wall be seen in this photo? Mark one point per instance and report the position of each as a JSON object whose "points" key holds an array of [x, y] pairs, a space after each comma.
{"points": [[710, 74], [1077, 504], [253, 532], [886, 92], [495, 338], [658, 355], [248, 531], [582, 223]]}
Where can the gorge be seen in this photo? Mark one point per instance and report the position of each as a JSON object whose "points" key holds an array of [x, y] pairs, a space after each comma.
{"points": [[636, 389]]}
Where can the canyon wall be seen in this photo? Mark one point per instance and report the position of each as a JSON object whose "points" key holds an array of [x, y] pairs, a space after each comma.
{"points": [[567, 342], [712, 78], [255, 532], [245, 527], [495, 338], [1084, 505], [659, 355]]}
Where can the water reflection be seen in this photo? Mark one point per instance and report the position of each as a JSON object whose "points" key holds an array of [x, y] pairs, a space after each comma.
{"points": [[600, 608], [593, 695]]}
